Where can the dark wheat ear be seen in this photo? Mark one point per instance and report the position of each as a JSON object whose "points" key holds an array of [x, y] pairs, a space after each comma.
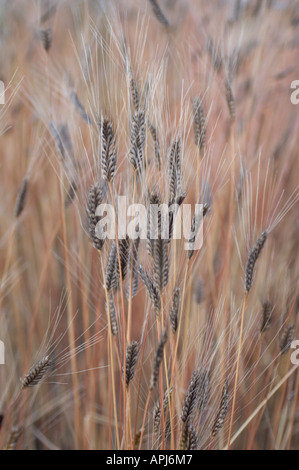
{"points": [[159, 13], [21, 197], [96, 196], [174, 169], [46, 38], [190, 398], [157, 410], [111, 279], [196, 221], [267, 310], [131, 360], [230, 99], [252, 259], [192, 440], [108, 161], [37, 373], [199, 291], [199, 124], [154, 134], [134, 94], [174, 313], [161, 264], [151, 289], [203, 389], [222, 411], [79, 107], [133, 269], [158, 359], [112, 314], [137, 141], [71, 193], [286, 339]]}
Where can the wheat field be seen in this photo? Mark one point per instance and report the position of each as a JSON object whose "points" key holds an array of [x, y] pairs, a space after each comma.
{"points": [[127, 344]]}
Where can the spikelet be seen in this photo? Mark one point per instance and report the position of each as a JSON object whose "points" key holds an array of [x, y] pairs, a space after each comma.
{"points": [[36, 373], [96, 196], [108, 161], [286, 339], [46, 38], [159, 13], [174, 313], [199, 124], [158, 360], [222, 411], [21, 197], [131, 360], [253, 256], [151, 289]]}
